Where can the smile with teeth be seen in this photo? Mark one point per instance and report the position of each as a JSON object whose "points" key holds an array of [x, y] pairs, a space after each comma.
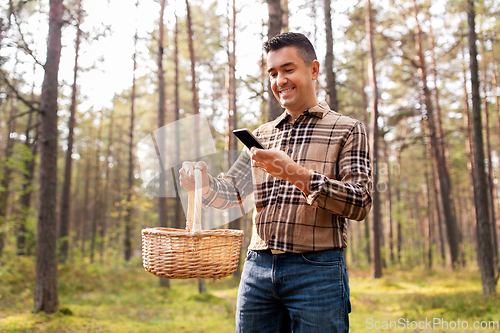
{"points": [[285, 91]]}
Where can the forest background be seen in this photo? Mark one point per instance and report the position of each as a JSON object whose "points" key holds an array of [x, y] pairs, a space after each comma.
{"points": [[74, 109]]}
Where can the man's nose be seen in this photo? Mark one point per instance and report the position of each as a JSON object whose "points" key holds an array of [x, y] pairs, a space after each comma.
{"points": [[282, 79]]}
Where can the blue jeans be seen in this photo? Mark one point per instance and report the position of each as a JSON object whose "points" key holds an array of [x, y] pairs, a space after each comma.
{"points": [[303, 293]]}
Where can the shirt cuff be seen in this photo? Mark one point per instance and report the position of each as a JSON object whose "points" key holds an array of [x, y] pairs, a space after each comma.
{"points": [[315, 188]]}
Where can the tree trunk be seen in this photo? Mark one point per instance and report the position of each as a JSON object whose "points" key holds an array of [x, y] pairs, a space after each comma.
{"points": [[232, 144], [130, 183], [483, 228], [96, 206], [495, 188], [388, 203], [45, 297], [6, 176], [64, 210], [428, 210], [284, 16], [274, 25], [399, 224], [202, 288], [469, 212], [178, 211], [377, 234], [107, 192], [468, 135], [85, 213], [367, 120], [117, 187], [162, 199], [489, 164], [331, 84], [437, 153], [436, 89]]}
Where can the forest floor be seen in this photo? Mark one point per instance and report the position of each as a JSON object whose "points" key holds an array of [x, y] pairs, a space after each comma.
{"points": [[118, 297]]}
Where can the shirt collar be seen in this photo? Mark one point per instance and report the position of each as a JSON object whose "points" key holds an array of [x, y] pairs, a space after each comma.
{"points": [[319, 111]]}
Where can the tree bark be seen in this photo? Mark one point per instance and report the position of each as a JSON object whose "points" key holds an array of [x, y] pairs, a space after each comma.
{"points": [[107, 192], [162, 199], [85, 213], [468, 135], [232, 144], [388, 203], [331, 84], [96, 206], [483, 228], [64, 210], [495, 187], [428, 210], [377, 232], [437, 153], [366, 115], [489, 158], [45, 296], [6, 175], [274, 26], [284, 16], [202, 287], [178, 211], [130, 183]]}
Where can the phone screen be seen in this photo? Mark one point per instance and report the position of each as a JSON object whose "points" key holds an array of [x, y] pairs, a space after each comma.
{"points": [[248, 139]]}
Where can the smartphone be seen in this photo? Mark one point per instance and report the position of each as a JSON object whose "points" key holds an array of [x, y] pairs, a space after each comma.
{"points": [[247, 138]]}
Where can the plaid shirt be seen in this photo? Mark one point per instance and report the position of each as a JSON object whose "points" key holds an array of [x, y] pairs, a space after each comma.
{"points": [[335, 148]]}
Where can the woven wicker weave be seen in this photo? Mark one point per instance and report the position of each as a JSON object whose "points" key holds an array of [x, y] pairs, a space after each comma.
{"points": [[191, 253]]}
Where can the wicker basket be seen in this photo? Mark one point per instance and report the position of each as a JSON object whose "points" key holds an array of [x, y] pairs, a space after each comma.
{"points": [[191, 253]]}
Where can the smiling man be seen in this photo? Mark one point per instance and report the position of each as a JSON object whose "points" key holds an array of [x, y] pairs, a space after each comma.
{"points": [[313, 175]]}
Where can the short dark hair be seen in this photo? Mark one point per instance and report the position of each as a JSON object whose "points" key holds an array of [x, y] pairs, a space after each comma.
{"points": [[297, 40]]}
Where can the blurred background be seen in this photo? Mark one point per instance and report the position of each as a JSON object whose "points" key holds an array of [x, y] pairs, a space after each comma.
{"points": [[77, 99]]}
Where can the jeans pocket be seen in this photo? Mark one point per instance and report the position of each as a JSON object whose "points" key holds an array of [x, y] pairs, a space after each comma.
{"points": [[322, 258]]}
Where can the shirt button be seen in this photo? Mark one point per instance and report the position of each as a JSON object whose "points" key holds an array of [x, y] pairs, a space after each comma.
{"points": [[273, 237], [290, 151], [279, 206]]}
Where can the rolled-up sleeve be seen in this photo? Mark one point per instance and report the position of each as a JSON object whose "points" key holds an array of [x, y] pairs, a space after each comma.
{"points": [[348, 196], [231, 189]]}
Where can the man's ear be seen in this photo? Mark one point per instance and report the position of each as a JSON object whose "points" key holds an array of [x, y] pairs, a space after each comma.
{"points": [[315, 69]]}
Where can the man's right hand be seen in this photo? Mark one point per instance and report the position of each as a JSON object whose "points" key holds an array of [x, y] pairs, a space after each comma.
{"points": [[186, 175]]}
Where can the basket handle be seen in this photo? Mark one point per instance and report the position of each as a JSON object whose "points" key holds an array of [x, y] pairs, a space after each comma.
{"points": [[193, 223]]}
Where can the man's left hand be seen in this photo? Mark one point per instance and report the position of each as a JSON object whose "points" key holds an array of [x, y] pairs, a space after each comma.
{"points": [[279, 165], [273, 161]]}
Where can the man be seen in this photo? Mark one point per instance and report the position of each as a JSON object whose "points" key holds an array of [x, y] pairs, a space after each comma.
{"points": [[314, 173]]}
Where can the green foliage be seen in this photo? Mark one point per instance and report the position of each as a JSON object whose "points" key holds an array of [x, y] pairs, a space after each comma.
{"points": [[17, 280], [116, 296], [418, 295]]}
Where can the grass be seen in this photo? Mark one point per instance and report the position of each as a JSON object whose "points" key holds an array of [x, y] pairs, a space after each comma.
{"points": [[122, 297], [116, 298]]}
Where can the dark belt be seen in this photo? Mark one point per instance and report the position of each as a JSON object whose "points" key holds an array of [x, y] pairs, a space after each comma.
{"points": [[272, 251]]}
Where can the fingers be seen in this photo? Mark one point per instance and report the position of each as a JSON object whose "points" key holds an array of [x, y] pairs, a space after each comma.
{"points": [[188, 167], [186, 174], [202, 166]]}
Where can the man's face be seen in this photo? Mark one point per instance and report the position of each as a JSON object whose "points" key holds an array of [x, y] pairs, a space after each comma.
{"points": [[292, 81]]}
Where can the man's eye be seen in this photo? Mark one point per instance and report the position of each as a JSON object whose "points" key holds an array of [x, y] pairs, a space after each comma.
{"points": [[289, 70], [273, 74]]}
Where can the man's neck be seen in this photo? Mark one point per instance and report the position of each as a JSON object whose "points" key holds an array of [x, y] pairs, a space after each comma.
{"points": [[296, 114]]}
